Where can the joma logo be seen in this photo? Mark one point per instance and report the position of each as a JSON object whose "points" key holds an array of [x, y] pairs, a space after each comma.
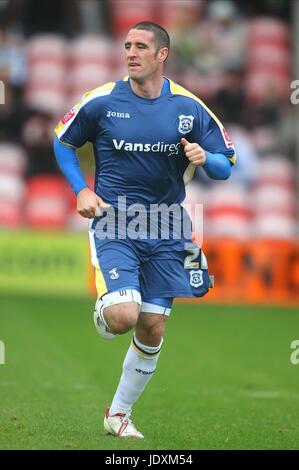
{"points": [[118, 115]]}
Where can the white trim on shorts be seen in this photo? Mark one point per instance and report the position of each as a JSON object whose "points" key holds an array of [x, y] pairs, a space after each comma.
{"points": [[120, 296], [147, 307], [132, 295]]}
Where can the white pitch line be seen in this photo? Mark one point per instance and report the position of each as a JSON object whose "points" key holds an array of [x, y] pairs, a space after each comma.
{"points": [[270, 394]]}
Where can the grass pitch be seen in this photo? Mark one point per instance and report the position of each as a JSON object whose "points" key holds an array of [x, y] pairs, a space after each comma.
{"points": [[224, 379]]}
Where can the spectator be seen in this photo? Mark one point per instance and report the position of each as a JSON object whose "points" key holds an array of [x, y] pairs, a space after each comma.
{"points": [[37, 138], [229, 101]]}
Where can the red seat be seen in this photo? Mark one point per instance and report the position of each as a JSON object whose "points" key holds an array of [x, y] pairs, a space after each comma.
{"points": [[275, 199], [47, 48], [126, 13], [12, 166], [46, 202], [46, 86], [11, 214]]}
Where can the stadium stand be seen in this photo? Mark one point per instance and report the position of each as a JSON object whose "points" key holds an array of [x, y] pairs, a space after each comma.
{"points": [[268, 59], [91, 62], [12, 185], [274, 199], [46, 85], [60, 68]]}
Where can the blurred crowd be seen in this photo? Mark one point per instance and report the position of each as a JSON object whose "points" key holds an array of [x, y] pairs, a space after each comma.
{"points": [[234, 55]]}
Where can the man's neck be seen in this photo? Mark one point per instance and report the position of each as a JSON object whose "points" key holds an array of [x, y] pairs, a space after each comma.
{"points": [[148, 89]]}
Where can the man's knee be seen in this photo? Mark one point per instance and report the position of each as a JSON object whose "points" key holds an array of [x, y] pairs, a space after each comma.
{"points": [[121, 318], [155, 331], [150, 328], [120, 310]]}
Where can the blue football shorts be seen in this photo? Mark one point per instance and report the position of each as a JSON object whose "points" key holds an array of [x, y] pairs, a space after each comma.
{"points": [[158, 269]]}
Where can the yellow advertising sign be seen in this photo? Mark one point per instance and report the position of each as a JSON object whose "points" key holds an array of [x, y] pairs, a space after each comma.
{"points": [[43, 262]]}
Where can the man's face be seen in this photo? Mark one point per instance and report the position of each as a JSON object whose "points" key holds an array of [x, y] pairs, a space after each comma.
{"points": [[141, 54]]}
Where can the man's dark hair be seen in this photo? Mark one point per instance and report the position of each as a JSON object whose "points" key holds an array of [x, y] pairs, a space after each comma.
{"points": [[161, 35]]}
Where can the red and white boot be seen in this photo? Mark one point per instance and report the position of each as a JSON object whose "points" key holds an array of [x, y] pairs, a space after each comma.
{"points": [[120, 425]]}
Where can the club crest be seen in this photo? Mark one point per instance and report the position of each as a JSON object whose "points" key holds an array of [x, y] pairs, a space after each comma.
{"points": [[113, 273], [196, 278], [185, 123]]}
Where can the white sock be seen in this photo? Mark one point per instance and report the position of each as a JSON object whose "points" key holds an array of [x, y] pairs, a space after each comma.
{"points": [[138, 368]]}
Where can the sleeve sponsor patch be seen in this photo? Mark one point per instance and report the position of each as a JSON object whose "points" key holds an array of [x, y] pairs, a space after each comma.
{"points": [[69, 115], [226, 137]]}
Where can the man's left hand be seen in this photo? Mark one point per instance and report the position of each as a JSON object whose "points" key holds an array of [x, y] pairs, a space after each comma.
{"points": [[194, 152]]}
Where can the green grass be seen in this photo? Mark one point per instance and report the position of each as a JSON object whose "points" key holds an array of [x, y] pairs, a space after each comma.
{"points": [[224, 379]]}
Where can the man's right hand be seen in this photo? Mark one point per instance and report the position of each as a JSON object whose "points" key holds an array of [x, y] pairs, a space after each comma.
{"points": [[89, 204]]}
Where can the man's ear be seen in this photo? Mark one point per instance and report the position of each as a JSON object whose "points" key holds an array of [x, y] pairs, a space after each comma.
{"points": [[162, 54]]}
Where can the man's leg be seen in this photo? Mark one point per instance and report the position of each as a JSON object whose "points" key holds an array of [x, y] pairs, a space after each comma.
{"points": [[140, 362]]}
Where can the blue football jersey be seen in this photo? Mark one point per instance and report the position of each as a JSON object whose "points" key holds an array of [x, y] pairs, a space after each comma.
{"points": [[136, 140]]}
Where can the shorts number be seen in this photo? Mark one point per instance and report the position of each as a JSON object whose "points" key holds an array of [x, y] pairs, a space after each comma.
{"points": [[194, 250]]}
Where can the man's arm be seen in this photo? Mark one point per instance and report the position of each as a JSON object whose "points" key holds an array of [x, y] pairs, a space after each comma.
{"points": [[68, 163], [216, 165], [89, 204]]}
